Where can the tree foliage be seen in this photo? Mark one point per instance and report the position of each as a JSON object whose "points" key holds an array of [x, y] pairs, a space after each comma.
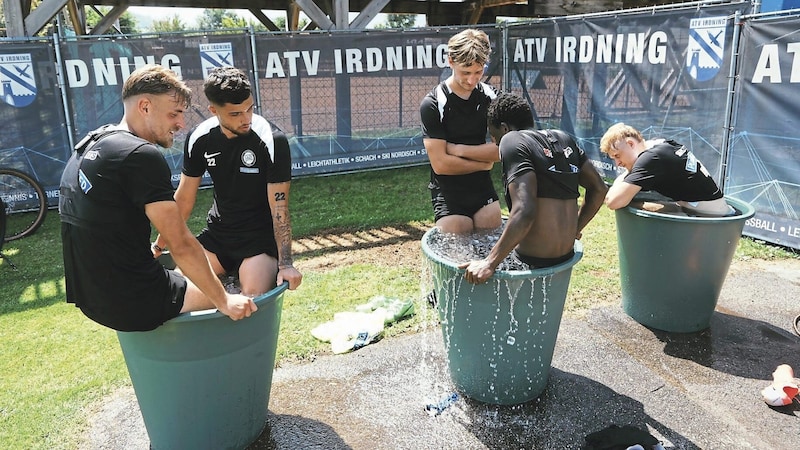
{"points": [[213, 19], [257, 26], [400, 21], [172, 23], [127, 23], [281, 23]]}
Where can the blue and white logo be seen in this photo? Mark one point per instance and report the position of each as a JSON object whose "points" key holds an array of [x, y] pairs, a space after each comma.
{"points": [[86, 184], [704, 54], [17, 81], [215, 55]]}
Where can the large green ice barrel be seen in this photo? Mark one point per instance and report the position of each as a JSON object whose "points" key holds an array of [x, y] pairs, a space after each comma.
{"points": [[203, 380], [500, 335], [672, 267]]}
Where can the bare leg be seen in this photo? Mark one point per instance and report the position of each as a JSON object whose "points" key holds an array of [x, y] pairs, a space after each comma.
{"points": [[455, 224], [215, 265], [213, 261], [488, 217], [258, 274], [194, 299]]}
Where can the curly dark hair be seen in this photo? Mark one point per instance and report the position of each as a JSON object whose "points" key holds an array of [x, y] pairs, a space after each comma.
{"points": [[511, 109], [227, 85]]}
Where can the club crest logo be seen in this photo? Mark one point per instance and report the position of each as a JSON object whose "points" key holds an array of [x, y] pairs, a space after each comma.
{"points": [[248, 158], [215, 55], [17, 81], [705, 52]]}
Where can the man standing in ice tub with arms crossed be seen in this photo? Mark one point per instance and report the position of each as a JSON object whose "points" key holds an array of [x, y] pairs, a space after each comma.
{"points": [[454, 135]]}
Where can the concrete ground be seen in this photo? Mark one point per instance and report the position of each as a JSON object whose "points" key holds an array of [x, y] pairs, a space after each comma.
{"points": [[696, 390]]}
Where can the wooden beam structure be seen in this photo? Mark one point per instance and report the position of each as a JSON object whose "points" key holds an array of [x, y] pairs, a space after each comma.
{"points": [[264, 19], [368, 13], [78, 16], [23, 21], [108, 20]]}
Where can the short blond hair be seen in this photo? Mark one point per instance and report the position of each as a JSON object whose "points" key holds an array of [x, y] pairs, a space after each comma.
{"points": [[156, 80], [469, 47], [616, 133]]}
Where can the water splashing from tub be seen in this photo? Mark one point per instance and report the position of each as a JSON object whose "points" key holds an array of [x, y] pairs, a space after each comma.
{"points": [[461, 248], [500, 335]]}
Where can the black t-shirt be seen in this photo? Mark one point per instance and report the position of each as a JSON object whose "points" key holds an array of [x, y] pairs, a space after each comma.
{"points": [[552, 154], [449, 117], [671, 169], [240, 168], [109, 268]]}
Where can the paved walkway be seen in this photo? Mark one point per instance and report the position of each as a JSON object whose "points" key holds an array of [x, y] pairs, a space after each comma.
{"points": [[698, 390]]}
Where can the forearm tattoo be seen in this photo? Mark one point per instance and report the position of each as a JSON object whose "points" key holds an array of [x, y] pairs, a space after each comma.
{"points": [[283, 235]]}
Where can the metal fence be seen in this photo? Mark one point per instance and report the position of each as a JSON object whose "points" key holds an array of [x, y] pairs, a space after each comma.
{"points": [[350, 100]]}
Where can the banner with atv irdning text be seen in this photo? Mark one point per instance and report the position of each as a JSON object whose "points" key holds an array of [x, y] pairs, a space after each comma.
{"points": [[764, 155], [349, 101], [666, 74]]}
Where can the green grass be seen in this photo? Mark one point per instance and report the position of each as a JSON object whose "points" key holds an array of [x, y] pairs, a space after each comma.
{"points": [[55, 365]]}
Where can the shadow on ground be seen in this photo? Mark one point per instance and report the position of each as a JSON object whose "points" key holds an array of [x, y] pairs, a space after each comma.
{"points": [[695, 390]]}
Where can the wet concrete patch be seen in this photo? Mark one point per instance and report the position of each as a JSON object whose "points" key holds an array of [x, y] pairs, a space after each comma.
{"points": [[696, 390]]}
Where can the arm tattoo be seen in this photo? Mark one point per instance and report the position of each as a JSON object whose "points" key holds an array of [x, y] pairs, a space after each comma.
{"points": [[283, 235]]}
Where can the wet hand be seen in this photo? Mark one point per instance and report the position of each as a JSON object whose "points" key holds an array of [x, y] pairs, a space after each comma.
{"points": [[239, 306], [477, 272], [290, 274]]}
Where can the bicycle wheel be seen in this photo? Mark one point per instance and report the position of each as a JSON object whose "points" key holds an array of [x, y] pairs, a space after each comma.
{"points": [[2, 224], [25, 203]]}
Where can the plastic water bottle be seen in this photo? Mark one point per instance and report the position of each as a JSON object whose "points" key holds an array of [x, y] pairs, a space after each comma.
{"points": [[436, 408]]}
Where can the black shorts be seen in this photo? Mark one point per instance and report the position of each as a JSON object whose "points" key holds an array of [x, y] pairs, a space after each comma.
{"points": [[145, 314], [460, 203], [540, 263], [231, 250]]}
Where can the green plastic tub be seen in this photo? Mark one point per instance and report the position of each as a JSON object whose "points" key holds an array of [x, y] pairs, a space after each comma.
{"points": [[500, 335], [203, 380], [672, 268]]}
